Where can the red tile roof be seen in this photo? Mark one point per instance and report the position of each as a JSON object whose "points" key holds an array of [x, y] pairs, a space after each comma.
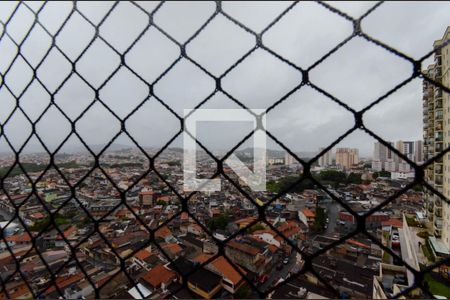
{"points": [[227, 270], [308, 213], [68, 233], [143, 254], [63, 282], [393, 222], [19, 238], [158, 275], [173, 248], [243, 247], [163, 232]]}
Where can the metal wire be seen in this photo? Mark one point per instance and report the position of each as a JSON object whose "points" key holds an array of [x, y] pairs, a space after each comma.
{"points": [[184, 199]]}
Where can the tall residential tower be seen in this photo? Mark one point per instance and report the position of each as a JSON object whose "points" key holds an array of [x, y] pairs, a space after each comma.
{"points": [[436, 117]]}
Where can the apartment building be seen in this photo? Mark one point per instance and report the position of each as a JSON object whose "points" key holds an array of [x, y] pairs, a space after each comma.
{"points": [[326, 159], [385, 159], [289, 159], [347, 157], [436, 130]]}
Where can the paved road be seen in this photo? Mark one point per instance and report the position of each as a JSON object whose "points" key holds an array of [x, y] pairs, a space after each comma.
{"points": [[277, 274], [332, 210]]}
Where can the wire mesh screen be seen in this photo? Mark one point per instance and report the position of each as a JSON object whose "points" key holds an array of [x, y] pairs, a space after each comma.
{"points": [[70, 246]]}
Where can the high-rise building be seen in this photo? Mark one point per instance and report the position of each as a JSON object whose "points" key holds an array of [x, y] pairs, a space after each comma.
{"points": [[436, 107], [347, 157], [385, 159], [289, 159], [381, 155], [418, 151], [326, 159]]}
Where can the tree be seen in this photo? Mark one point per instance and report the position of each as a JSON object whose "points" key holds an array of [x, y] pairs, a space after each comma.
{"points": [[286, 183], [219, 222], [243, 292], [333, 176], [417, 188], [255, 228], [354, 178], [174, 163], [385, 174], [161, 202], [321, 219]]}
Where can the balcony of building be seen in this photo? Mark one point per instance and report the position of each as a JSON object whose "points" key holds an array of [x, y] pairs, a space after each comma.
{"points": [[438, 223], [438, 181], [438, 202], [438, 126], [437, 232], [438, 75], [437, 96], [439, 170], [439, 114], [438, 212]]}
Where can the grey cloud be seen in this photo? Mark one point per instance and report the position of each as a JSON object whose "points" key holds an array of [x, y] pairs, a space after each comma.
{"points": [[357, 74]]}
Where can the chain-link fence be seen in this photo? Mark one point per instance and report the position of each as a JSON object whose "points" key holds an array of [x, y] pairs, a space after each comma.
{"points": [[17, 278]]}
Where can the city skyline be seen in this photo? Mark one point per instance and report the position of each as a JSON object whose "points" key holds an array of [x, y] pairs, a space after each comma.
{"points": [[100, 196]]}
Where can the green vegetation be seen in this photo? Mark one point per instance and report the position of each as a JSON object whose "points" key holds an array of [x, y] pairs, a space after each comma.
{"points": [[285, 183], [423, 234], [411, 220], [255, 228], [174, 163], [272, 186], [161, 202], [436, 287], [381, 174], [417, 188], [219, 222], [28, 167], [428, 252], [386, 257], [354, 178], [243, 292], [321, 219], [333, 177], [59, 220]]}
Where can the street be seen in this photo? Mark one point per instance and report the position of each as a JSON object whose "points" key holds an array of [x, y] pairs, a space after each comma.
{"points": [[277, 274], [332, 212]]}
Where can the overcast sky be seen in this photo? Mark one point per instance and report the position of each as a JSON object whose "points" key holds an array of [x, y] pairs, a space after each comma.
{"points": [[357, 74]]}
